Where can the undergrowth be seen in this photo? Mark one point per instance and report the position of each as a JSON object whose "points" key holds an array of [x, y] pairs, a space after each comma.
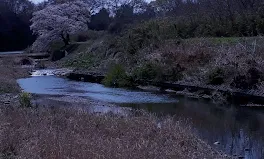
{"points": [[117, 77]]}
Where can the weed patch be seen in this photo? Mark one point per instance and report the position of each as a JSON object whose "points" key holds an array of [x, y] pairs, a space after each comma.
{"points": [[25, 100]]}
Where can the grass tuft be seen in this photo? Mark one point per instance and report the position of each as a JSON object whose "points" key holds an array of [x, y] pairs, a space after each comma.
{"points": [[25, 100]]}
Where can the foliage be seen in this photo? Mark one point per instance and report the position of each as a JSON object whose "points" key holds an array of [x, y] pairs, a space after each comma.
{"points": [[87, 35], [117, 77], [216, 76], [124, 15], [25, 100], [148, 72], [85, 61], [174, 73], [15, 33], [58, 22], [249, 80], [140, 37], [100, 20]]}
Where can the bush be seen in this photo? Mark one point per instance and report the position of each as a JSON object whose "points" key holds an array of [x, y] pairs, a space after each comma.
{"points": [[141, 36], [86, 36], [149, 72], [216, 77], [174, 73], [25, 100], [117, 77], [248, 81], [82, 37]]}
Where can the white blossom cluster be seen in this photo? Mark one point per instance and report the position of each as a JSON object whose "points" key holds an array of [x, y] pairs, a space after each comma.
{"points": [[57, 21]]}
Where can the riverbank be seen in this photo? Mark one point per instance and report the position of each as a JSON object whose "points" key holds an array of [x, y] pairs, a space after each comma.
{"points": [[57, 132], [223, 66], [56, 128], [10, 70]]}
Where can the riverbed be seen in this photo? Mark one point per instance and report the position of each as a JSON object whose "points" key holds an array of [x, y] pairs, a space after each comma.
{"points": [[238, 132]]}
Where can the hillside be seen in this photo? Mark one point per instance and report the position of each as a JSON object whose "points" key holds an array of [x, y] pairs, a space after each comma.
{"points": [[151, 52]]}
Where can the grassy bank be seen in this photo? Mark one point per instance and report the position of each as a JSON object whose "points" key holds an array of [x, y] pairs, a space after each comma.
{"points": [[10, 70], [151, 51], [69, 133], [53, 131]]}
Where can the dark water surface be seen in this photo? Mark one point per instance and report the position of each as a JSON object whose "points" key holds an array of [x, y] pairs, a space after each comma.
{"points": [[238, 131]]}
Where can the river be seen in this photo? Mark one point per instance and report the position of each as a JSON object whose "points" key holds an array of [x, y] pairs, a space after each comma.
{"points": [[236, 131], [11, 52]]}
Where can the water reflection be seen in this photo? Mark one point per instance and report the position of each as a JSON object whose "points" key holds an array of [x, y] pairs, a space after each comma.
{"points": [[59, 86], [239, 131]]}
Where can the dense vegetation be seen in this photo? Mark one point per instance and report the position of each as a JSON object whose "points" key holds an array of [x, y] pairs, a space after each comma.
{"points": [[159, 41], [15, 17], [200, 18]]}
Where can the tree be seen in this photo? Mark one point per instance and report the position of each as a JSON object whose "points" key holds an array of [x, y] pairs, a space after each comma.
{"points": [[57, 22], [15, 18], [100, 20]]}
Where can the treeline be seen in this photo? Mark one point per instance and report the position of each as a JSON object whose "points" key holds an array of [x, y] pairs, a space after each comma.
{"points": [[189, 18], [15, 18], [214, 17]]}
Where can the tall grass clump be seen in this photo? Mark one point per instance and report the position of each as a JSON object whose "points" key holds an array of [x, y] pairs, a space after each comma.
{"points": [[25, 100]]}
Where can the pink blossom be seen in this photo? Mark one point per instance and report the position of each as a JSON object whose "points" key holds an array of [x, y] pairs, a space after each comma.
{"points": [[56, 21]]}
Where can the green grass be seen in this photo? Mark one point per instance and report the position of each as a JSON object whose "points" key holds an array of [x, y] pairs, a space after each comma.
{"points": [[25, 100], [117, 77], [84, 61]]}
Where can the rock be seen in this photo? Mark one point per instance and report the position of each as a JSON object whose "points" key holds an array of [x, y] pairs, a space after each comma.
{"points": [[170, 91], [149, 88], [217, 143], [206, 97]]}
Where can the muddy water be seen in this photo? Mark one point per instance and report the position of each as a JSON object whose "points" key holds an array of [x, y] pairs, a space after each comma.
{"points": [[238, 132]]}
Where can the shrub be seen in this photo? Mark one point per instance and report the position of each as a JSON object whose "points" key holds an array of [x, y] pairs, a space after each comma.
{"points": [[147, 72], [141, 36], [117, 77], [40, 65], [248, 81], [25, 100], [82, 37], [240, 81], [174, 73], [216, 77], [88, 35]]}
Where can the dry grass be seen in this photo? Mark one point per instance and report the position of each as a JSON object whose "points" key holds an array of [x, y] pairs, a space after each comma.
{"points": [[9, 72], [67, 133], [200, 57]]}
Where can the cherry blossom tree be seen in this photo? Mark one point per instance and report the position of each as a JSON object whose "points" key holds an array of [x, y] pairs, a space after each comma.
{"points": [[57, 22]]}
